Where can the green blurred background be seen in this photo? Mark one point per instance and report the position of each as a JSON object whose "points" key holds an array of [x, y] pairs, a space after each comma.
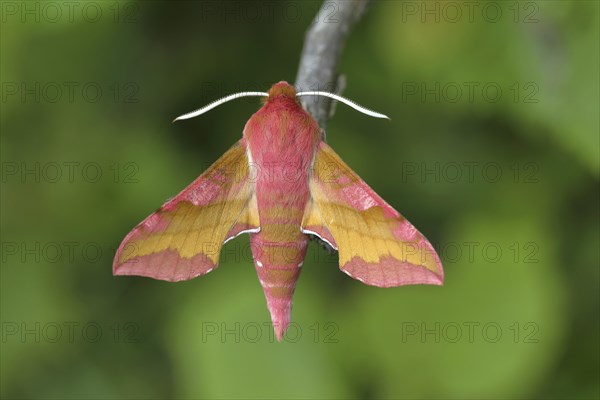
{"points": [[491, 151]]}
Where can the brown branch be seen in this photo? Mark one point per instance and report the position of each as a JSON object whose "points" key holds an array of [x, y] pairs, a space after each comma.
{"points": [[323, 45]]}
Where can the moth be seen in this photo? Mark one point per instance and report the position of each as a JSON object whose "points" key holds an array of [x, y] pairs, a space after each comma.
{"points": [[281, 183]]}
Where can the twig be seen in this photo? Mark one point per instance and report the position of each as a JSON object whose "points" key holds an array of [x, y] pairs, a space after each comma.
{"points": [[323, 45]]}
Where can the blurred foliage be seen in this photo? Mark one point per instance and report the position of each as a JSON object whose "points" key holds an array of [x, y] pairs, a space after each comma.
{"points": [[518, 315]]}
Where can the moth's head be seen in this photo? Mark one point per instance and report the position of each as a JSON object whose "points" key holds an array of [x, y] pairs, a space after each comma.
{"points": [[282, 89]]}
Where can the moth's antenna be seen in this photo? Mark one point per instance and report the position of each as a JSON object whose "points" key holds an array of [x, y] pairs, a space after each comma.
{"points": [[345, 101], [216, 103]]}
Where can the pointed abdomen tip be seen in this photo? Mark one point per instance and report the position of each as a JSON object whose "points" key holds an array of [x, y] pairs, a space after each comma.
{"points": [[279, 331], [280, 317]]}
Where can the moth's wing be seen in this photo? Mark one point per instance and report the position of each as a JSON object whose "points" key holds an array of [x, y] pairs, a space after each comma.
{"points": [[376, 244], [183, 239]]}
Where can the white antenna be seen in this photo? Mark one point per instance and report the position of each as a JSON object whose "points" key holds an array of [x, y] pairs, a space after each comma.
{"points": [[345, 101], [216, 103]]}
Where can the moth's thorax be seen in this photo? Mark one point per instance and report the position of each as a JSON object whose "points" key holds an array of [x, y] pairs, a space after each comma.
{"points": [[282, 131]]}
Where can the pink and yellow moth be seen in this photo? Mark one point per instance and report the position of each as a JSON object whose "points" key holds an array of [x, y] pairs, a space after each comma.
{"points": [[281, 183]]}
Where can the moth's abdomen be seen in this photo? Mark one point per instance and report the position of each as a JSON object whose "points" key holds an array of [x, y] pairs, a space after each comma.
{"points": [[278, 280], [278, 251]]}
